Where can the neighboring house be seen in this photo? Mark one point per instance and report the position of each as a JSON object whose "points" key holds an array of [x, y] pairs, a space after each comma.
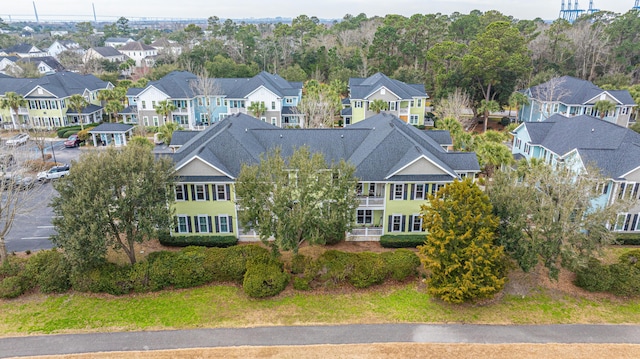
{"points": [[45, 65], [570, 96], [116, 42], [406, 101], [397, 167], [24, 50], [200, 104], [164, 45], [47, 99], [143, 55], [103, 53], [7, 62], [60, 46], [581, 141]]}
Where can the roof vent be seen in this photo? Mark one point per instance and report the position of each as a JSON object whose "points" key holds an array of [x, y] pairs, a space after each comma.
{"points": [[280, 135], [593, 129], [373, 128], [245, 130], [341, 136]]}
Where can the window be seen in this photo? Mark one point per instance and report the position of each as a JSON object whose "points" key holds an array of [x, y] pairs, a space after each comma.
{"points": [[153, 104], [627, 222], [396, 223], [418, 192], [288, 101], [221, 192], [184, 224], [398, 191], [273, 105], [392, 105], [224, 224], [181, 193], [358, 104], [419, 102], [434, 188], [364, 216], [527, 148], [413, 119], [372, 189], [200, 192], [415, 223], [274, 121], [518, 143], [203, 223], [145, 120], [155, 121]]}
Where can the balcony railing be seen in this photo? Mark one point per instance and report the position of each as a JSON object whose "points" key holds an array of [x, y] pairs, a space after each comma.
{"points": [[371, 201], [366, 232]]}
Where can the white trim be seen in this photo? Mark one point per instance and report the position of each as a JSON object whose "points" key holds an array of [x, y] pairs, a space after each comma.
{"points": [[417, 159], [151, 86], [205, 162], [258, 88], [597, 98], [378, 89]]}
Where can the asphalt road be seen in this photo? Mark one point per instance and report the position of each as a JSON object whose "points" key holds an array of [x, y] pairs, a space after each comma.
{"points": [[307, 335], [32, 227]]}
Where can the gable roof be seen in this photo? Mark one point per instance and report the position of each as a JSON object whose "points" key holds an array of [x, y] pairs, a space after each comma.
{"points": [[20, 49], [107, 51], [571, 90], [54, 64], [377, 146], [612, 148], [61, 84], [360, 88], [135, 46]]}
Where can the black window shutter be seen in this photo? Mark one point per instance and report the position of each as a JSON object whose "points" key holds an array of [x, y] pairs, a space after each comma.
{"points": [[196, 222], [413, 189], [210, 227], [230, 223], [189, 224], [392, 189], [228, 192], [410, 223], [193, 192], [206, 192], [216, 220], [390, 223], [402, 225], [214, 189], [404, 190], [175, 229]]}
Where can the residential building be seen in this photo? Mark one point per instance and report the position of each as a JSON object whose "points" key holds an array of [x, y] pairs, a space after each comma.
{"points": [[60, 46], [570, 96], [581, 141], [24, 50], [201, 102], [116, 42], [47, 99], [406, 101], [45, 65], [167, 46], [103, 53], [7, 63], [397, 166], [143, 55]]}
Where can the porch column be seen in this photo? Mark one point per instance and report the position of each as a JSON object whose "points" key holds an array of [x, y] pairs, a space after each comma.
{"points": [[95, 143]]}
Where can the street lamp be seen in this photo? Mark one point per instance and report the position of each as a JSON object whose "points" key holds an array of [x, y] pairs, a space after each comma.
{"points": [[53, 152]]}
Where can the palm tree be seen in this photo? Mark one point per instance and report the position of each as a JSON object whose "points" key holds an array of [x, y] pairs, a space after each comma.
{"points": [[486, 107], [113, 107], [165, 132], [517, 100], [378, 105], [165, 108], [78, 103], [603, 106], [257, 108], [13, 101]]}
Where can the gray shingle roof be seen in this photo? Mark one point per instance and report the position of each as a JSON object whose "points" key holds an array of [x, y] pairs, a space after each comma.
{"points": [[360, 88], [49, 60], [443, 137], [571, 90], [612, 148], [61, 84], [111, 128], [377, 146], [107, 51], [135, 46]]}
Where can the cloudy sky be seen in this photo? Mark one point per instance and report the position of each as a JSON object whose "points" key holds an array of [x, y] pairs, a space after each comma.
{"points": [[332, 9]]}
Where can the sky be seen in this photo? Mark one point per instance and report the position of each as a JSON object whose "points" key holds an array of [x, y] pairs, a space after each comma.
{"points": [[81, 10]]}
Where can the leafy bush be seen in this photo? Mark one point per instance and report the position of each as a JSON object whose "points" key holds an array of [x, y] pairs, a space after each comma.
{"points": [[188, 268], [109, 278], [402, 241], [206, 241], [505, 121], [631, 258], [160, 269], [595, 277], [264, 279], [401, 263], [39, 165], [83, 135], [11, 287], [625, 280], [298, 263], [369, 269], [336, 266], [49, 271], [629, 239], [11, 268]]}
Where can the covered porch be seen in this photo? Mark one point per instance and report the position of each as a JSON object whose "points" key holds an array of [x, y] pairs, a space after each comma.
{"points": [[108, 134]]}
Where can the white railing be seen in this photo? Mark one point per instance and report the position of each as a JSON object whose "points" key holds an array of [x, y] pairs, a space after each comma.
{"points": [[371, 201], [366, 231]]}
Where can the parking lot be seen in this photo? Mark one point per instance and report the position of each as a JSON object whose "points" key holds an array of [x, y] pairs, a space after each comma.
{"points": [[32, 227]]}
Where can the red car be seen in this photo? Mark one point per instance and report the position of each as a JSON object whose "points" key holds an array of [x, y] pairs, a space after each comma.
{"points": [[73, 141]]}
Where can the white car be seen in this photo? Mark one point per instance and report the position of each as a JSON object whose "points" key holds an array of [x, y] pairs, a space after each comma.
{"points": [[54, 173], [17, 140]]}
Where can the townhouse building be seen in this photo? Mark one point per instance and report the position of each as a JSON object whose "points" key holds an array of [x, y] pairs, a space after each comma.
{"points": [[397, 166]]}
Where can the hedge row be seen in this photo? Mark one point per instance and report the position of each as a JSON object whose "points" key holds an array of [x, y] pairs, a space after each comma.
{"points": [[361, 270], [64, 132], [629, 239], [622, 278], [402, 241], [206, 241]]}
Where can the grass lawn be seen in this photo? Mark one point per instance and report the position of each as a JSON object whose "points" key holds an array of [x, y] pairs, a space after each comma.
{"points": [[227, 306]]}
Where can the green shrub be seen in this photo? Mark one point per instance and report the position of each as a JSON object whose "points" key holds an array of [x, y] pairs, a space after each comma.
{"points": [[505, 121], [369, 269], [206, 241], [188, 268], [298, 263], [595, 277], [402, 241], [631, 258], [629, 239], [160, 269], [49, 271], [12, 287], [139, 277], [301, 283], [12, 267], [625, 280], [109, 278], [264, 280], [68, 133], [401, 263], [336, 266]]}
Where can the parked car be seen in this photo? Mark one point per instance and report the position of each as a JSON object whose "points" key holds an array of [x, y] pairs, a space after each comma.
{"points": [[7, 159], [54, 173], [13, 180], [17, 140], [73, 141]]}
